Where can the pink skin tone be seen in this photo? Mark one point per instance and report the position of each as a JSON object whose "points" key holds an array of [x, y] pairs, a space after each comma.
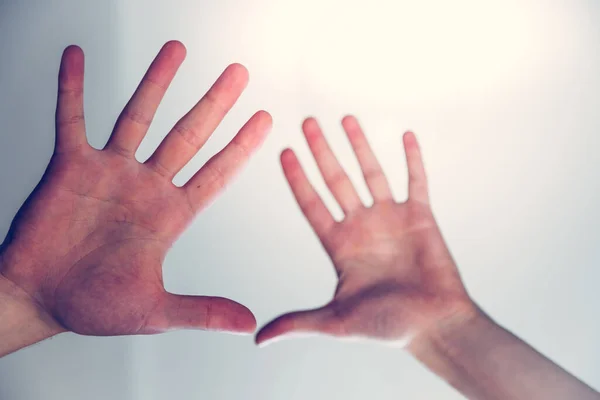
{"points": [[397, 279], [88, 245], [85, 252], [398, 283]]}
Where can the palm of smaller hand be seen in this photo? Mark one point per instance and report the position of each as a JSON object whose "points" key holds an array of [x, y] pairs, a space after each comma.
{"points": [[381, 235], [396, 275], [393, 269]]}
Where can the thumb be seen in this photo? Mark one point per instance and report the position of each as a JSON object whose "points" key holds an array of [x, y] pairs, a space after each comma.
{"points": [[200, 312], [319, 320]]}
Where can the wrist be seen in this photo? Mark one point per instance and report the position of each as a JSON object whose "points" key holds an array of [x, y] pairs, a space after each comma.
{"points": [[23, 320], [455, 349], [444, 334], [483, 360]]}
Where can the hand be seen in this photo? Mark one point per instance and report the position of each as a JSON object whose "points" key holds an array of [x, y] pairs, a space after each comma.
{"points": [[396, 276], [87, 246]]}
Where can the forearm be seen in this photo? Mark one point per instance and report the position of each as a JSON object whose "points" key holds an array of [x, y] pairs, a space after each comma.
{"points": [[484, 361], [22, 321]]}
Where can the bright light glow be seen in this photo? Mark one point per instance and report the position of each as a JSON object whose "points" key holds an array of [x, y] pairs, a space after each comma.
{"points": [[374, 55]]}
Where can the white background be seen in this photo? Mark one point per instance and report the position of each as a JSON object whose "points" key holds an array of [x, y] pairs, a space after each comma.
{"points": [[504, 98]]}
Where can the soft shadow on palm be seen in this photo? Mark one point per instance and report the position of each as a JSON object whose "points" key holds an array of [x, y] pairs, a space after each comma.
{"points": [[89, 243], [396, 275]]}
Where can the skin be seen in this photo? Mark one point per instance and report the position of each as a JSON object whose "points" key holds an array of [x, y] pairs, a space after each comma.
{"points": [[398, 283], [85, 251], [396, 275]]}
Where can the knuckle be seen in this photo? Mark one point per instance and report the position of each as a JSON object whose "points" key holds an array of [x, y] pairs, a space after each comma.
{"points": [[69, 120], [137, 116], [216, 106], [309, 204], [336, 322], [120, 151], [218, 178], [208, 315], [76, 92], [374, 174], [213, 179], [157, 84], [336, 179], [191, 207], [187, 133], [242, 152], [160, 169]]}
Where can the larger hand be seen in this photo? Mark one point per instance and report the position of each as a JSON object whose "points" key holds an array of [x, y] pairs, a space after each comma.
{"points": [[396, 275], [88, 245]]}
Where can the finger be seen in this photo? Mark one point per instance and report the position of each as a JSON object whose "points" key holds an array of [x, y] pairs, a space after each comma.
{"points": [[417, 180], [199, 312], [70, 125], [336, 179], [311, 204], [299, 323], [193, 130], [212, 178], [372, 172], [134, 121]]}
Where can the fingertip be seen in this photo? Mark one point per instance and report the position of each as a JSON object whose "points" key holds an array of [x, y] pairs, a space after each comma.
{"points": [[72, 64], [288, 159], [265, 116], [175, 44], [240, 320], [349, 120], [309, 123], [267, 335], [352, 129], [240, 72], [245, 318], [312, 131], [255, 131], [286, 154], [73, 51], [177, 48], [260, 338], [220, 314], [245, 323]]}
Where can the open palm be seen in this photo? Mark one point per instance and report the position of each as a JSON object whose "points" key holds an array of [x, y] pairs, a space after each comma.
{"points": [[396, 275], [89, 242]]}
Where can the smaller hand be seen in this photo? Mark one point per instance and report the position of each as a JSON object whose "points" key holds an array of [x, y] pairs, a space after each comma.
{"points": [[396, 276], [87, 246]]}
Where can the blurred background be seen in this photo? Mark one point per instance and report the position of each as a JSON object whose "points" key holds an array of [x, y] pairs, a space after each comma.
{"points": [[503, 96]]}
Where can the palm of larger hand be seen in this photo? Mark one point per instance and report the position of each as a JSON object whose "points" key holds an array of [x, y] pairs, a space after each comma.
{"points": [[106, 222], [89, 242]]}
